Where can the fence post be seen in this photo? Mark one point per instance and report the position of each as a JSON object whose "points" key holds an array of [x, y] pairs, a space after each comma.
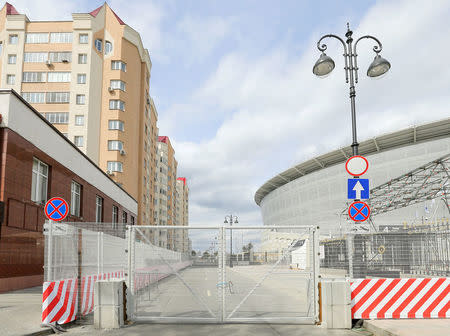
{"points": [[50, 251], [99, 248]]}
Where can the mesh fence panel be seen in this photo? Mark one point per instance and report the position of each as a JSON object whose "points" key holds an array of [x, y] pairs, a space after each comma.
{"points": [[421, 251]]}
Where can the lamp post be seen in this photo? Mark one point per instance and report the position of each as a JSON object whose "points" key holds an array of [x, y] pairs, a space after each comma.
{"points": [[229, 219], [325, 65]]}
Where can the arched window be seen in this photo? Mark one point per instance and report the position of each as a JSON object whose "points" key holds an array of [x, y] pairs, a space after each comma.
{"points": [[108, 47], [98, 44]]}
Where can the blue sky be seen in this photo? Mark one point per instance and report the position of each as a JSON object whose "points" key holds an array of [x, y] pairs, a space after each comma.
{"points": [[234, 89]]}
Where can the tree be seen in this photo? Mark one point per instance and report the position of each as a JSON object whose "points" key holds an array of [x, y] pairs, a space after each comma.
{"points": [[193, 253], [205, 255], [247, 248]]}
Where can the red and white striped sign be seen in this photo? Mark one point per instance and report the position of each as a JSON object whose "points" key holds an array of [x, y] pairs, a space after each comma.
{"points": [[400, 298], [59, 301]]}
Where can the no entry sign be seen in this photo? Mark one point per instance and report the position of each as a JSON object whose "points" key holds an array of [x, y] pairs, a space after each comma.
{"points": [[359, 211], [56, 209]]}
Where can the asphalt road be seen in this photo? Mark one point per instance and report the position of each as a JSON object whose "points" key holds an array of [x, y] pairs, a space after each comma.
{"points": [[281, 293]]}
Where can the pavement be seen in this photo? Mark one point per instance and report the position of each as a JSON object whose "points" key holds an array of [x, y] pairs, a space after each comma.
{"points": [[409, 327], [20, 312]]}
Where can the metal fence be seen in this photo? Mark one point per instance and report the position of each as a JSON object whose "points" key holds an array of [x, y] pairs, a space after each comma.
{"points": [[87, 252], [393, 252]]}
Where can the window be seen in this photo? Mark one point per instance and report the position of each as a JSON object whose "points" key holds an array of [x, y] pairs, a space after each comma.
{"points": [[12, 59], [36, 38], [115, 104], [33, 77], [81, 99], [83, 38], [57, 117], [132, 220], [124, 217], [58, 77], [58, 57], [1, 47], [115, 216], [78, 140], [81, 78], [115, 166], [79, 120], [116, 125], [98, 44], [75, 199], [82, 58], [117, 84], [115, 145], [13, 39], [58, 97], [10, 79], [34, 97], [108, 47], [35, 57], [60, 37], [118, 65], [39, 181], [98, 209]]}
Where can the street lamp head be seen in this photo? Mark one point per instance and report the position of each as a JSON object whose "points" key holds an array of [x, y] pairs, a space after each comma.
{"points": [[323, 66], [225, 221], [378, 67], [236, 221]]}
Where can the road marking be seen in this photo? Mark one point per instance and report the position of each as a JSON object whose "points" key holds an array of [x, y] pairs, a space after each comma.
{"points": [[208, 292]]}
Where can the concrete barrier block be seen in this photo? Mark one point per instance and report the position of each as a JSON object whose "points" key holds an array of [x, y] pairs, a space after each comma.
{"points": [[336, 304], [108, 304]]}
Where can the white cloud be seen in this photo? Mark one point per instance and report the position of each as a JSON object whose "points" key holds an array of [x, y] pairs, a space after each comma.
{"points": [[276, 113]]}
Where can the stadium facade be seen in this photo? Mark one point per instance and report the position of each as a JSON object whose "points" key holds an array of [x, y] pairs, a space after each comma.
{"points": [[314, 192]]}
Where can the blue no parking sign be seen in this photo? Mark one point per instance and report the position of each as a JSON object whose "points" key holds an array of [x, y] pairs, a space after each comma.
{"points": [[56, 209], [359, 211]]}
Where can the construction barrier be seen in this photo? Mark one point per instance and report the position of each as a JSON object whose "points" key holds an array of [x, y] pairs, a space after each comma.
{"points": [[59, 301], [87, 288], [148, 275], [400, 298]]}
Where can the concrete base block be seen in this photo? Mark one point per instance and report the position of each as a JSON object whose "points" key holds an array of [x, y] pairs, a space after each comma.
{"points": [[108, 304], [336, 304]]}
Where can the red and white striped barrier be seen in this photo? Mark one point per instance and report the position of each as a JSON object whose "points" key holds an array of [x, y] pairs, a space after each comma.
{"points": [[400, 298], [59, 301], [87, 288]]}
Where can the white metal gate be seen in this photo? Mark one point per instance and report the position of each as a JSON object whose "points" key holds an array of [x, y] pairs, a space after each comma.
{"points": [[272, 277]]}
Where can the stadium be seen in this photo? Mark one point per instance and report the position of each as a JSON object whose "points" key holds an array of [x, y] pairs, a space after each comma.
{"points": [[314, 192]]}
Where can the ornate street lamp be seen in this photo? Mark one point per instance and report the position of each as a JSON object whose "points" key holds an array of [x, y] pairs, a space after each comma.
{"points": [[229, 219], [325, 65]]}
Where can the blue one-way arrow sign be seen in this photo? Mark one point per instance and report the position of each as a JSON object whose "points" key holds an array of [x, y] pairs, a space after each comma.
{"points": [[358, 188]]}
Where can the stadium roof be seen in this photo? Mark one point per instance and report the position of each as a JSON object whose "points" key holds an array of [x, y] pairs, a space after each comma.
{"points": [[405, 137]]}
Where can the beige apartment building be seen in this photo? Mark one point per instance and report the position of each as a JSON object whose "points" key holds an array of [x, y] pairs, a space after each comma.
{"points": [[90, 78], [182, 215]]}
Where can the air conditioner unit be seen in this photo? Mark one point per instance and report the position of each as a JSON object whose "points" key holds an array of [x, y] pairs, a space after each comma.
{"points": [[110, 89], [109, 172], [122, 152], [148, 101], [49, 63]]}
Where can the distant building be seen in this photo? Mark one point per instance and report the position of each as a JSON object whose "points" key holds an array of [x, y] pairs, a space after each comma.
{"points": [[183, 241], [38, 163], [90, 77], [272, 241]]}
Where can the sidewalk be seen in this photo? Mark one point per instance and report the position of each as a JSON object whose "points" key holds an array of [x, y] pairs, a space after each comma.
{"points": [[20, 312], [409, 327]]}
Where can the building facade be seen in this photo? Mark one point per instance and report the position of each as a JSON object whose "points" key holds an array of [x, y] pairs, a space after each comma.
{"points": [[314, 192], [182, 215], [34, 169], [90, 78]]}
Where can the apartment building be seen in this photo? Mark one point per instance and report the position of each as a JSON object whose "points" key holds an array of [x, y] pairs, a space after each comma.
{"points": [[90, 78], [182, 215]]}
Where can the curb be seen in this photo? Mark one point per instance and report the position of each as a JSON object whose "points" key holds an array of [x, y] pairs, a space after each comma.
{"points": [[49, 331], [377, 331]]}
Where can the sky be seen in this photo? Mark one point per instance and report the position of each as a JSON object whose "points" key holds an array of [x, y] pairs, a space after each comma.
{"points": [[233, 84]]}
